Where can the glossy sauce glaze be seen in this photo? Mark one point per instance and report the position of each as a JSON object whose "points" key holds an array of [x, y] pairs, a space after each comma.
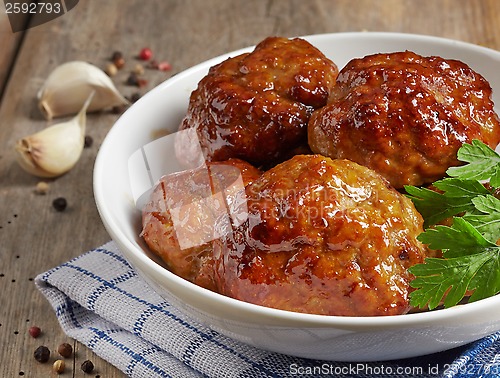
{"points": [[405, 116], [183, 213], [324, 237], [256, 106]]}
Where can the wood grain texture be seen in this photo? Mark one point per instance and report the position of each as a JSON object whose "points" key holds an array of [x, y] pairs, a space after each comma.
{"points": [[33, 236], [9, 45]]}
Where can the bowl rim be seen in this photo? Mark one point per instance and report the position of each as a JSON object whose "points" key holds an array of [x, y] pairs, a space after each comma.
{"points": [[441, 316]]}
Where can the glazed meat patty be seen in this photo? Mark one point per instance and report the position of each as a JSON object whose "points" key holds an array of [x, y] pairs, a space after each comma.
{"points": [[179, 220], [256, 106], [404, 115], [323, 236]]}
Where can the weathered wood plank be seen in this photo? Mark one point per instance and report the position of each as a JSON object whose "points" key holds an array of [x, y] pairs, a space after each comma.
{"points": [[9, 44]]}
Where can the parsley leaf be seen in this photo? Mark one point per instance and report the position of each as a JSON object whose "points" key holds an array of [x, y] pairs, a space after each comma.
{"points": [[487, 218], [456, 198], [470, 262], [461, 239], [451, 278], [484, 163], [471, 246]]}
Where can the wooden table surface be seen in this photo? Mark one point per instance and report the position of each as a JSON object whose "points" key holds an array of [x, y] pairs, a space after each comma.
{"points": [[33, 236]]}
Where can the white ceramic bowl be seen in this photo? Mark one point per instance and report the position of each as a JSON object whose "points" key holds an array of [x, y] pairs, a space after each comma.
{"points": [[304, 335]]}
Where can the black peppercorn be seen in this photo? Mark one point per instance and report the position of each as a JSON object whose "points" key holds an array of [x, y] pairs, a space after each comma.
{"points": [[87, 366], [88, 141], [133, 79], [60, 204], [116, 55], [42, 354], [135, 96]]}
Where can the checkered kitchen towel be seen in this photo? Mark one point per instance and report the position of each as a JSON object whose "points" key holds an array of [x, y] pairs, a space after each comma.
{"points": [[101, 301]]}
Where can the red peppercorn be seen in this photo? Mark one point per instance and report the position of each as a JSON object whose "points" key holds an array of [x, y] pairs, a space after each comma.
{"points": [[164, 66], [34, 331], [145, 54]]}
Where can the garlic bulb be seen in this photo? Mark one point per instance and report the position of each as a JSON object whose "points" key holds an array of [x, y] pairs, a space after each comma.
{"points": [[70, 84], [56, 149]]}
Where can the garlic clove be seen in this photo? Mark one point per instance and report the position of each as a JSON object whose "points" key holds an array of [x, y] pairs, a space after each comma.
{"points": [[55, 150], [70, 84]]}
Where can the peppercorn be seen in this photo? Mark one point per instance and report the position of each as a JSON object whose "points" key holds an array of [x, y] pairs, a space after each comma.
{"points": [[119, 63], [87, 366], [132, 79], [60, 204], [118, 60], [164, 66], [153, 64], [65, 350], [59, 366], [42, 188], [88, 141], [116, 55], [139, 69], [34, 331], [135, 96], [142, 83], [111, 69], [145, 53], [42, 354]]}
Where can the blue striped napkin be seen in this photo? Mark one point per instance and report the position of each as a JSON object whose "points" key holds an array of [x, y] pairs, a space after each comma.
{"points": [[101, 301]]}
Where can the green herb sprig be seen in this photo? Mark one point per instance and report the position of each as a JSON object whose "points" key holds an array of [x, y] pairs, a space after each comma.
{"points": [[470, 246]]}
